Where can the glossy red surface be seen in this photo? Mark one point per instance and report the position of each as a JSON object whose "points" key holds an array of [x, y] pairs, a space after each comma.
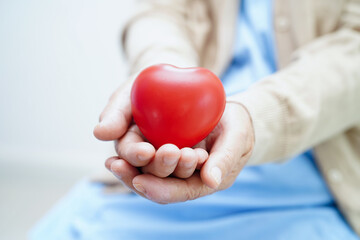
{"points": [[177, 105]]}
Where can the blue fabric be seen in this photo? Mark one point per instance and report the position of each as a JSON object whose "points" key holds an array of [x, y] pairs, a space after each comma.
{"points": [[254, 52], [272, 201]]}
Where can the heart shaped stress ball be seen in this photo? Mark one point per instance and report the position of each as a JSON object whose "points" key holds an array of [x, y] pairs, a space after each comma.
{"points": [[177, 105]]}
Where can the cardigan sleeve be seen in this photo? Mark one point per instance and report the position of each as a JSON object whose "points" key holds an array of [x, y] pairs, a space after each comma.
{"points": [[164, 31], [316, 97]]}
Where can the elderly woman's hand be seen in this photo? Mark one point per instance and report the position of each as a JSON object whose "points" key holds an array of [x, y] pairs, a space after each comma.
{"points": [[116, 124], [229, 144]]}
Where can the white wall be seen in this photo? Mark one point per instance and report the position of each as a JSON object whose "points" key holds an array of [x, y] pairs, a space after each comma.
{"points": [[59, 62]]}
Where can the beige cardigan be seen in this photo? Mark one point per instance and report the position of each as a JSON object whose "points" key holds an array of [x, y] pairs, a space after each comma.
{"points": [[313, 101]]}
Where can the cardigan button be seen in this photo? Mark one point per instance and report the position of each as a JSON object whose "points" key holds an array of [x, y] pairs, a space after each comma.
{"points": [[335, 175], [282, 24]]}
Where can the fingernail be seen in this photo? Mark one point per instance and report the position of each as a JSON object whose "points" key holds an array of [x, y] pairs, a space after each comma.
{"points": [[116, 174], [139, 188], [100, 125], [142, 158], [105, 121], [216, 175], [188, 164], [115, 168], [168, 161]]}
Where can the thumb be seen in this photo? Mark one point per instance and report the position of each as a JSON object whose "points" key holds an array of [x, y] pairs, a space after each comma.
{"points": [[217, 168], [229, 152], [116, 117]]}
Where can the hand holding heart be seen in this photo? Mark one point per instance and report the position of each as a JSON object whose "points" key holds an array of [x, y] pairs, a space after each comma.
{"points": [[229, 145]]}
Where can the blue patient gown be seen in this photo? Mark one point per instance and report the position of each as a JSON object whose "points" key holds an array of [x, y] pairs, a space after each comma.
{"points": [[272, 201]]}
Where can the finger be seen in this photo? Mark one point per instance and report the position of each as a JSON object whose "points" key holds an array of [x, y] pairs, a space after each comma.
{"points": [[187, 163], [171, 190], [164, 162], [125, 173], [202, 157], [116, 117], [227, 150], [133, 149], [109, 161]]}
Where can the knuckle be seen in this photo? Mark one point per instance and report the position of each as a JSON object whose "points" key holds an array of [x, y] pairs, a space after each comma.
{"points": [[193, 193]]}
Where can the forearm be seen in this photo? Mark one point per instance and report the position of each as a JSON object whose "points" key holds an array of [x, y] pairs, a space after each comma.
{"points": [[161, 32], [314, 98]]}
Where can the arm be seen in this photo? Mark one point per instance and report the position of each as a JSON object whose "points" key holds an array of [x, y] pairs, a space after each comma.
{"points": [[163, 32], [314, 98]]}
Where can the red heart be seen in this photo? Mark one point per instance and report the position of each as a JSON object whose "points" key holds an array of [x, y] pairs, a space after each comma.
{"points": [[177, 105]]}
